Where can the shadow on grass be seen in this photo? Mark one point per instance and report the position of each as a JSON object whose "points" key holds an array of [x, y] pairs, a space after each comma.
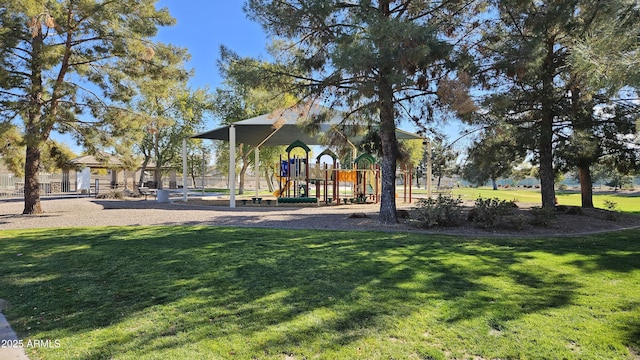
{"points": [[170, 287]]}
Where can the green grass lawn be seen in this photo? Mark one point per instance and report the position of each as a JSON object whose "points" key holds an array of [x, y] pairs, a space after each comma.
{"points": [[207, 293], [624, 202]]}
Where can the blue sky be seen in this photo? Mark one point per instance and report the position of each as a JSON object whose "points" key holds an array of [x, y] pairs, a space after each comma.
{"points": [[202, 26]]}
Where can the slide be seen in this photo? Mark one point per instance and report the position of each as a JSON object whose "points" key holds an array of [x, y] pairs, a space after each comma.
{"points": [[279, 192]]}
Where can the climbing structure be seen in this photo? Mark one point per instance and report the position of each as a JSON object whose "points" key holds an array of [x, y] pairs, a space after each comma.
{"points": [[367, 185], [294, 173], [324, 177], [361, 182]]}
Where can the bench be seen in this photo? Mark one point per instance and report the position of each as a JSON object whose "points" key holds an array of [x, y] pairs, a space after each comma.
{"points": [[256, 200], [146, 192], [298, 200]]}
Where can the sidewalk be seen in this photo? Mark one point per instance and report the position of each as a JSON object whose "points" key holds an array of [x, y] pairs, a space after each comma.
{"points": [[9, 343]]}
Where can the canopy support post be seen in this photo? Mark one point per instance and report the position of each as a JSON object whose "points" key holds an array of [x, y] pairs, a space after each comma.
{"points": [[256, 169], [184, 170], [232, 166]]}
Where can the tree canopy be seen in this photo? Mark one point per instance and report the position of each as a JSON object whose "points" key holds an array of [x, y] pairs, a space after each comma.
{"points": [[494, 155], [534, 84], [172, 115], [70, 66]]}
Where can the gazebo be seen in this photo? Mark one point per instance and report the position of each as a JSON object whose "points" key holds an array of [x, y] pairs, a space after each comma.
{"points": [[283, 127], [86, 163]]}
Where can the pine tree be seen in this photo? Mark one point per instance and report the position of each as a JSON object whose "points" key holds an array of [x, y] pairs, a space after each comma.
{"points": [[69, 66], [545, 92], [492, 156], [382, 61]]}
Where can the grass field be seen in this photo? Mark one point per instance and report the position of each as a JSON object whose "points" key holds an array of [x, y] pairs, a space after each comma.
{"points": [[218, 293], [625, 202]]}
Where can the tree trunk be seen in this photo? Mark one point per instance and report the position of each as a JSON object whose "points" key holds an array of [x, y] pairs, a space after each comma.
{"points": [[582, 122], [192, 169], [33, 134], [267, 177], [243, 172], [586, 186], [494, 184], [389, 142], [31, 183], [388, 196], [547, 176], [157, 177], [157, 174], [244, 155], [143, 168]]}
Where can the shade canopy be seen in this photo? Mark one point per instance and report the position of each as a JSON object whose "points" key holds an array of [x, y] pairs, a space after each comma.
{"points": [[285, 127], [282, 127]]}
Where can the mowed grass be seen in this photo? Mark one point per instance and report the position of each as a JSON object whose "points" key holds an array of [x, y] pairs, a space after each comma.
{"points": [[625, 202], [223, 293]]}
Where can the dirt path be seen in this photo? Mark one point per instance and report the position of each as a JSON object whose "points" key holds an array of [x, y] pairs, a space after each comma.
{"points": [[76, 212]]}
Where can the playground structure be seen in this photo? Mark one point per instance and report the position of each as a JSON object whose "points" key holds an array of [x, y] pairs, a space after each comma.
{"points": [[295, 175], [282, 127]]}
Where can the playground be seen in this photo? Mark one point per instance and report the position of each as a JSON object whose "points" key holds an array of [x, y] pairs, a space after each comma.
{"points": [[325, 181], [302, 182]]}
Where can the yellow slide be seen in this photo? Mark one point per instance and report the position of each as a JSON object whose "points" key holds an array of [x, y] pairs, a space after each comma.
{"points": [[287, 185]]}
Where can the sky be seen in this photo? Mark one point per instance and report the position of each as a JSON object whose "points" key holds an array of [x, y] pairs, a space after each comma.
{"points": [[202, 26]]}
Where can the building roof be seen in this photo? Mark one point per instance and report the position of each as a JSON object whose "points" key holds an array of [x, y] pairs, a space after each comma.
{"points": [[111, 162], [91, 161]]}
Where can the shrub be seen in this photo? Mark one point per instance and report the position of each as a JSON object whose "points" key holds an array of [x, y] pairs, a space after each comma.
{"points": [[444, 210], [488, 213], [612, 207], [114, 194], [543, 216], [517, 222], [569, 210]]}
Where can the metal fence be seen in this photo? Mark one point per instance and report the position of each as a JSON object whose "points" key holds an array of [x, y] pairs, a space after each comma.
{"points": [[63, 184], [51, 185]]}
